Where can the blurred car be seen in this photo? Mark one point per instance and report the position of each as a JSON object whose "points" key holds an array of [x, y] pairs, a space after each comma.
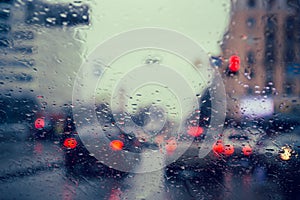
{"points": [[78, 159], [26, 113], [147, 129], [125, 137], [17, 116], [13, 139], [280, 153], [48, 125], [234, 149], [189, 164], [237, 148]]}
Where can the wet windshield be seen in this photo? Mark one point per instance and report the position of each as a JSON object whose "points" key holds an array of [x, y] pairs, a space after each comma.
{"points": [[149, 100]]}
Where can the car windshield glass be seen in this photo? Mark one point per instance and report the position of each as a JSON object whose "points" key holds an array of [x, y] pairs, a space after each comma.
{"points": [[156, 99]]}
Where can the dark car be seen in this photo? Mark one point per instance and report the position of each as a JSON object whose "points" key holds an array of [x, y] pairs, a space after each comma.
{"points": [[192, 142], [147, 129], [25, 111], [47, 125], [280, 153], [124, 140], [17, 114], [237, 148], [18, 111], [77, 155], [234, 149]]}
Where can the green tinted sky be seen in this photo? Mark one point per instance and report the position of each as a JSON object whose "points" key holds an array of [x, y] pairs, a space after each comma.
{"points": [[205, 21]]}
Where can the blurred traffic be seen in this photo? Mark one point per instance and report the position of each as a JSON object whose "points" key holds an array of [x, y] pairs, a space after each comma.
{"points": [[79, 127]]}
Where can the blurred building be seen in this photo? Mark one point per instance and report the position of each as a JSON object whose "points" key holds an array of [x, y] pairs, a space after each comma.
{"points": [[266, 37], [16, 50], [39, 51]]}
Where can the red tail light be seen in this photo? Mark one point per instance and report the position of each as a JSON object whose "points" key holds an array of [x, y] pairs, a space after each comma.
{"points": [[229, 149], [70, 143], [39, 123], [247, 150], [115, 194], [171, 145], [116, 145], [195, 131], [218, 147]]}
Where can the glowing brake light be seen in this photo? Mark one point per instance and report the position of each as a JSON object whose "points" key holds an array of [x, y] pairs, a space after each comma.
{"points": [[195, 131], [116, 145], [39, 123], [70, 143], [234, 63], [218, 147], [247, 150], [228, 150], [171, 145]]}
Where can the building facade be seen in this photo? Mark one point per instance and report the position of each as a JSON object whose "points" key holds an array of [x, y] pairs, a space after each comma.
{"points": [[39, 50], [266, 37]]}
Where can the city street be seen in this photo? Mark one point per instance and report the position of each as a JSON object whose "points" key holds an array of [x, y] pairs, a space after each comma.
{"points": [[150, 100], [35, 170]]}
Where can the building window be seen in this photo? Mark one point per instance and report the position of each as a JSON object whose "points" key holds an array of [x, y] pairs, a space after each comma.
{"points": [[270, 54], [289, 26], [270, 4], [57, 15], [270, 44], [250, 22], [293, 3], [250, 61], [289, 51], [288, 89], [250, 58], [269, 85], [251, 3]]}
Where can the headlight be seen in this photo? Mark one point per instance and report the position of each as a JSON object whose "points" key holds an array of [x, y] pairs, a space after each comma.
{"points": [[285, 153]]}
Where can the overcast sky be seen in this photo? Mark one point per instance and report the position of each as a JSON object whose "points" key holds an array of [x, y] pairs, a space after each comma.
{"points": [[205, 21]]}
